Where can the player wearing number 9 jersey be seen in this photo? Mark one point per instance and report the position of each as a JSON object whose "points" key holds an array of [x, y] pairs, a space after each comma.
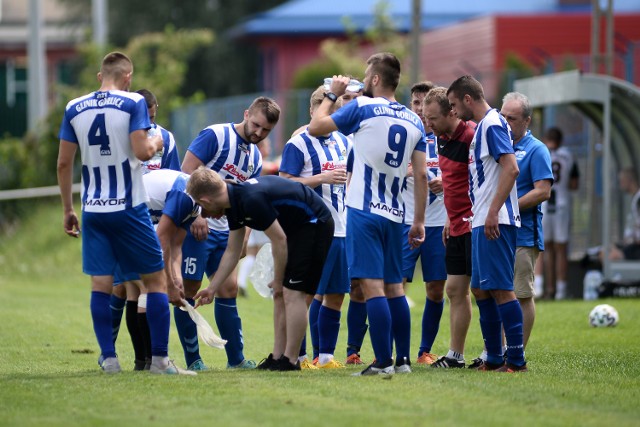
{"points": [[110, 128], [386, 137]]}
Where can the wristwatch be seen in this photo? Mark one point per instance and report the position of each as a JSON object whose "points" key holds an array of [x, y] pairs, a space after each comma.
{"points": [[332, 96]]}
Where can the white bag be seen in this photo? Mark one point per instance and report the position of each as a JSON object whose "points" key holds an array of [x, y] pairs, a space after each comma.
{"points": [[261, 273], [205, 332]]}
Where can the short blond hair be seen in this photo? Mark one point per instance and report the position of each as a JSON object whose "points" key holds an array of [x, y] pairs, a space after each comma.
{"points": [[316, 97], [203, 182], [438, 96]]}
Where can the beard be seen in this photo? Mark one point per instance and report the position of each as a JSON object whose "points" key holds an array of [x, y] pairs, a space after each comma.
{"points": [[368, 91], [252, 138]]}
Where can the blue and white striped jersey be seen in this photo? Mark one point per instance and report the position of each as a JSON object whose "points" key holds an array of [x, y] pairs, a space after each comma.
{"points": [[436, 214], [385, 134], [305, 155], [492, 139], [220, 148], [167, 195], [100, 123], [168, 158]]}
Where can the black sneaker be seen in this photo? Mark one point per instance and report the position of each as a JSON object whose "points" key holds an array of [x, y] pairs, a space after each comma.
{"points": [[284, 364], [476, 363], [448, 362], [139, 365], [378, 369], [268, 363]]}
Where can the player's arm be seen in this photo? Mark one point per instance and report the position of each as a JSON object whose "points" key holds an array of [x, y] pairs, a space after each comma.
{"points": [[335, 176], [228, 263], [416, 233], [190, 162], [171, 237], [144, 147], [66, 154], [321, 121], [508, 173], [541, 192]]}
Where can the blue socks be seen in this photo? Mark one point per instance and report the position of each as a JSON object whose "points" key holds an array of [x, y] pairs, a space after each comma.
{"points": [[314, 312], [511, 314], [430, 324], [116, 304], [188, 334], [328, 328], [102, 322], [401, 326], [159, 318], [491, 326], [380, 320], [356, 326], [230, 326]]}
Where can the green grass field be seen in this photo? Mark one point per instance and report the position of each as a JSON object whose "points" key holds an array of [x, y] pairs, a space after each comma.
{"points": [[578, 375]]}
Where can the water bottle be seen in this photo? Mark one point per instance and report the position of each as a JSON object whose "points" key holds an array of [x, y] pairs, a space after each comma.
{"points": [[353, 86], [261, 273], [591, 284]]}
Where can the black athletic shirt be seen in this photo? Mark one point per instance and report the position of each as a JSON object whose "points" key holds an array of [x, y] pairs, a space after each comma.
{"points": [[257, 202]]}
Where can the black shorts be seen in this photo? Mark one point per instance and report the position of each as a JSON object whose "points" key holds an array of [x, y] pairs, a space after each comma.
{"points": [[458, 255], [307, 248]]}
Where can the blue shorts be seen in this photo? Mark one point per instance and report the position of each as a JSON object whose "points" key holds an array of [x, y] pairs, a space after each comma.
{"points": [[493, 261], [431, 253], [124, 238], [120, 277], [199, 258], [335, 274], [374, 247]]}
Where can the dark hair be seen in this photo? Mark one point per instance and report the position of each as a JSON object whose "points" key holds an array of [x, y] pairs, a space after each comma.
{"points": [[266, 106], [466, 85], [387, 66], [422, 87], [149, 97], [554, 134]]}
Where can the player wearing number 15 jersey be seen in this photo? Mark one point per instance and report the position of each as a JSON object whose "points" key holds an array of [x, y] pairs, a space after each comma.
{"points": [[110, 128], [386, 137]]}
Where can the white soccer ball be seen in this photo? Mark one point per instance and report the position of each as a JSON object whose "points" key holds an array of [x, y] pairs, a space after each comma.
{"points": [[603, 315]]}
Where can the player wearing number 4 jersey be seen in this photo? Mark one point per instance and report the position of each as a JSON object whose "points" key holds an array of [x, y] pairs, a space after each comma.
{"points": [[110, 128], [386, 136]]}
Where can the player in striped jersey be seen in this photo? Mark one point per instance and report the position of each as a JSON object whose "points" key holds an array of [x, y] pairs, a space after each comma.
{"points": [[168, 157], [431, 252], [387, 135], [321, 164], [454, 138], [110, 128], [127, 290], [492, 176], [230, 150]]}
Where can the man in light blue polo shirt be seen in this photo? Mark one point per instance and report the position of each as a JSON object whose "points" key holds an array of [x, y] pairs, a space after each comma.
{"points": [[534, 187]]}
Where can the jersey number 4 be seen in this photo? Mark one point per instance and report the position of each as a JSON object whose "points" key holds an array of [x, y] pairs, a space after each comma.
{"points": [[397, 143], [98, 135]]}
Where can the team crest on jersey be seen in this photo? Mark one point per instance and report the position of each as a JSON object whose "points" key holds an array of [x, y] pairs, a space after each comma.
{"points": [[251, 169], [520, 154]]}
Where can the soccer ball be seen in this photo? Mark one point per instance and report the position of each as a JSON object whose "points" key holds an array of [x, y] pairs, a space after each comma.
{"points": [[603, 315]]}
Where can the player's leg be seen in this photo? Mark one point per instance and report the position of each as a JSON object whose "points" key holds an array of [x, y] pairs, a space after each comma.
{"points": [[194, 258], [99, 262], [117, 303], [562, 239], [523, 286], [356, 323], [133, 325], [334, 284], [314, 316], [501, 258], [434, 273]]}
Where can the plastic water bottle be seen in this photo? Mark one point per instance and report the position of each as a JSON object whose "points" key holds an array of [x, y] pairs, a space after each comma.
{"points": [[431, 175], [261, 273], [353, 86], [591, 284]]}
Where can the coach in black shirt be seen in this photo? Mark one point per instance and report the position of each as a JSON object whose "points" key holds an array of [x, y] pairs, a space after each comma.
{"points": [[300, 228]]}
